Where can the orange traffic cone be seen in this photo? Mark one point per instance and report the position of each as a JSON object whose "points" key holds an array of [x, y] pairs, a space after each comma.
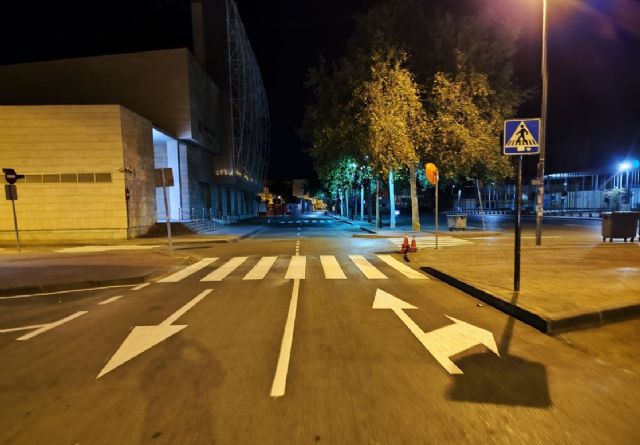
{"points": [[413, 247], [405, 244]]}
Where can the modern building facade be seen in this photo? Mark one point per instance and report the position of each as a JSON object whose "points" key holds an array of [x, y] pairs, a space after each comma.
{"points": [[205, 116]]}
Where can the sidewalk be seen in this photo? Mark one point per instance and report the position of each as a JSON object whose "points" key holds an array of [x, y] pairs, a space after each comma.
{"points": [[574, 280], [45, 267]]}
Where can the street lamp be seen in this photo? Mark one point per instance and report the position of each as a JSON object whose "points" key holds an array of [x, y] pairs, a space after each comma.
{"points": [[543, 127]]}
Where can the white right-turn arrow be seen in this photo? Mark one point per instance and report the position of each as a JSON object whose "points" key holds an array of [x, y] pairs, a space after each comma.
{"points": [[441, 343]]}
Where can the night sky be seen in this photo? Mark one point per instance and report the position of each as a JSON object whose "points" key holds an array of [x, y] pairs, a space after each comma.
{"points": [[594, 60]]}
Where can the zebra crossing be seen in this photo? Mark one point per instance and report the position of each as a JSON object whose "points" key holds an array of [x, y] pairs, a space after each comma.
{"points": [[424, 242], [308, 221], [296, 268]]}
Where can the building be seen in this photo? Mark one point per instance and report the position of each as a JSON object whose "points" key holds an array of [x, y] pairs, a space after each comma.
{"points": [[200, 110]]}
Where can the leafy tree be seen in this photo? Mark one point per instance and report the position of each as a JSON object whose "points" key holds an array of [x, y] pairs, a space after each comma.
{"points": [[394, 118]]}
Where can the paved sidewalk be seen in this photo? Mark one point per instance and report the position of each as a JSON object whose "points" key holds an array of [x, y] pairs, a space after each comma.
{"points": [[573, 280], [46, 267]]}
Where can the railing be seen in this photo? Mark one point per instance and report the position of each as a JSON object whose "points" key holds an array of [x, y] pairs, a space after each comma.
{"points": [[204, 218]]}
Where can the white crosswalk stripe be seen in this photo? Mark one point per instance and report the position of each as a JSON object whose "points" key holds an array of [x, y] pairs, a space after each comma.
{"points": [[297, 268], [261, 269], [268, 267], [402, 268], [182, 274], [221, 273], [332, 270], [430, 241], [367, 268]]}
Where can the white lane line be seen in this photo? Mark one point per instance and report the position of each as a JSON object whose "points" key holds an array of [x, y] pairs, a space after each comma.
{"points": [[297, 267], [141, 286], [261, 269], [49, 326], [102, 248], [188, 271], [221, 272], [402, 268], [65, 291], [544, 236], [21, 328], [367, 268], [298, 222], [282, 369], [111, 300], [332, 270], [290, 222], [314, 221]]}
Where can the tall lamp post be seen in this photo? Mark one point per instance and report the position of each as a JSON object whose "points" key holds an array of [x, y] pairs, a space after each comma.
{"points": [[543, 127]]}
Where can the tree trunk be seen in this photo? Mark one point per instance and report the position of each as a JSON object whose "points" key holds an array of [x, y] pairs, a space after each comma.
{"points": [[377, 203], [361, 201], [415, 211], [346, 201], [369, 209], [480, 201], [392, 202]]}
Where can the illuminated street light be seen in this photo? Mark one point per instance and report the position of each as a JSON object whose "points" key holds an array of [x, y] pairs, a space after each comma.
{"points": [[624, 166]]}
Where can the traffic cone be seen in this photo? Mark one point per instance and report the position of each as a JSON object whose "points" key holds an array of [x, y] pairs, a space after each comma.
{"points": [[413, 247], [405, 244]]}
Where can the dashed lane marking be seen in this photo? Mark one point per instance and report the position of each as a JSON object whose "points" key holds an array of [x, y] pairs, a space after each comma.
{"points": [[111, 300]]}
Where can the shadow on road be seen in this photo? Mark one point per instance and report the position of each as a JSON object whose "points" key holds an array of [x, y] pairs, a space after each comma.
{"points": [[504, 380]]}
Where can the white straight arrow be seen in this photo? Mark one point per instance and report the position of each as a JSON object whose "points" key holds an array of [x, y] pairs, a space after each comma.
{"points": [[142, 338], [441, 343]]}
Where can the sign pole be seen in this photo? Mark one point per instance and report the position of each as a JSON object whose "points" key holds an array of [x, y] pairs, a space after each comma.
{"points": [[166, 210], [516, 261], [15, 223], [437, 183]]}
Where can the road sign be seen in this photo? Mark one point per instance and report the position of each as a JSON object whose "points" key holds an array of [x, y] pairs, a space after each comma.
{"points": [[168, 177], [11, 176], [522, 137], [432, 173]]}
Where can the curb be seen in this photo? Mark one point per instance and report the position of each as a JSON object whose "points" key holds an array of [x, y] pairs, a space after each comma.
{"points": [[75, 286], [543, 324], [523, 315], [146, 278]]}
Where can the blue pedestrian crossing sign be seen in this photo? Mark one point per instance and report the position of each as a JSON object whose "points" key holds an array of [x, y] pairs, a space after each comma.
{"points": [[522, 137]]}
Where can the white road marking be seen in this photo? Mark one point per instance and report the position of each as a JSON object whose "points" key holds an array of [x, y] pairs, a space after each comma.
{"points": [[142, 338], [221, 272], [297, 268], [64, 291], [141, 286], [261, 269], [188, 271], [441, 343], [21, 328], [111, 300], [543, 236], [402, 268], [332, 270], [430, 241], [102, 248], [282, 368], [367, 268], [49, 326], [314, 221]]}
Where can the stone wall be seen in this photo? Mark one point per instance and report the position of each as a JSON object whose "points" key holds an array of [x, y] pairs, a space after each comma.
{"points": [[75, 166]]}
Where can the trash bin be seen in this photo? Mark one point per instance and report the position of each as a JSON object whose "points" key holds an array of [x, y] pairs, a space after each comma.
{"points": [[457, 221], [619, 225]]}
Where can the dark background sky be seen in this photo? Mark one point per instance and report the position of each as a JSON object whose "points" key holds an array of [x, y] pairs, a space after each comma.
{"points": [[594, 60]]}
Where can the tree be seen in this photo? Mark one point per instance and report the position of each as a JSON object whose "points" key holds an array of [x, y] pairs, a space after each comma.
{"points": [[394, 119]]}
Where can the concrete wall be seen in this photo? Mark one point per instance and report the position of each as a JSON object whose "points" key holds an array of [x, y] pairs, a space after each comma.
{"points": [[61, 149], [155, 84], [139, 172]]}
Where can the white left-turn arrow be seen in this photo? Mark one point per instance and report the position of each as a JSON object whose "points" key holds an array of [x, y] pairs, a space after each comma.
{"points": [[441, 343], [142, 338]]}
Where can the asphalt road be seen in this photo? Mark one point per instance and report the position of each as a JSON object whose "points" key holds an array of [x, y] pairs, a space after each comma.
{"points": [[260, 347]]}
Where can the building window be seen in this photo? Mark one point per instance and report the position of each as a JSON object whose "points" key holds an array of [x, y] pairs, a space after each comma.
{"points": [[67, 178]]}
